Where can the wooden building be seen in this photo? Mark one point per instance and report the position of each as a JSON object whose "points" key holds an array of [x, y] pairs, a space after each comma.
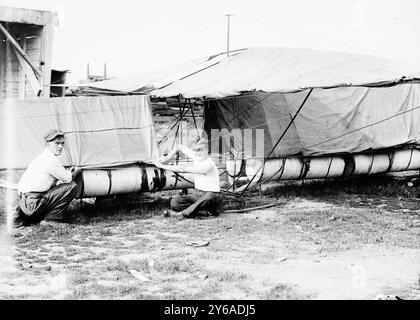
{"points": [[26, 38]]}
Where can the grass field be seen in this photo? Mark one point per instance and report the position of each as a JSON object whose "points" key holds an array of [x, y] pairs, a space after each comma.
{"points": [[344, 239]]}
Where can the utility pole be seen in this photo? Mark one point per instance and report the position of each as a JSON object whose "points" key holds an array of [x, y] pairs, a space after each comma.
{"points": [[228, 30]]}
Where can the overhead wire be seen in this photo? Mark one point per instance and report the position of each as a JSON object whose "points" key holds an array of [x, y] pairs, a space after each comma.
{"points": [[282, 28], [282, 33]]}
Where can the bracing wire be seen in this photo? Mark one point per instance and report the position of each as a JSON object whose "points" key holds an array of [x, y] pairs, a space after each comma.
{"points": [[281, 137], [337, 137]]}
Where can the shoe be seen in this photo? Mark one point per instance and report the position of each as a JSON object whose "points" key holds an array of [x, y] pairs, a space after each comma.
{"points": [[171, 213], [184, 215], [17, 220], [215, 213], [18, 223], [178, 215], [203, 213]]}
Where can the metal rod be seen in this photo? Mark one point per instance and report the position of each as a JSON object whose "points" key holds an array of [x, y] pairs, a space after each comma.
{"points": [[228, 33], [254, 208]]}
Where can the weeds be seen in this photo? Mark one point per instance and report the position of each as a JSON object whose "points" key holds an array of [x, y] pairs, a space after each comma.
{"points": [[365, 211]]}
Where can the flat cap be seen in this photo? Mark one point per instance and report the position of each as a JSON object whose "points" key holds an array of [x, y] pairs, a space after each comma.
{"points": [[52, 134]]}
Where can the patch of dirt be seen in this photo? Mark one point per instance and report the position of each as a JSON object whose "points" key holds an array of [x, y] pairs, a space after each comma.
{"points": [[308, 205], [355, 274], [263, 215]]}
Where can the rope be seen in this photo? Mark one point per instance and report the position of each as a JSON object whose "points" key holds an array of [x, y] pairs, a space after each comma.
{"points": [[329, 167], [371, 163], [411, 157], [391, 157]]}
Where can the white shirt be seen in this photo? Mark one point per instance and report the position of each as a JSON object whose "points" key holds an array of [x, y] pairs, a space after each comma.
{"points": [[208, 181], [43, 173]]}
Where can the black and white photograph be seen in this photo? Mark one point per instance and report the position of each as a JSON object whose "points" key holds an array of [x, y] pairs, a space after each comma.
{"points": [[230, 151]]}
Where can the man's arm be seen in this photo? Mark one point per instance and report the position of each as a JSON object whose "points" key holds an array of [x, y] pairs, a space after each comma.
{"points": [[57, 170], [184, 149], [169, 155], [195, 169], [188, 152]]}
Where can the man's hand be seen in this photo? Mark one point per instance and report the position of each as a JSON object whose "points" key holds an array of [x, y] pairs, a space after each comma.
{"points": [[163, 158], [170, 154], [174, 168], [75, 171]]}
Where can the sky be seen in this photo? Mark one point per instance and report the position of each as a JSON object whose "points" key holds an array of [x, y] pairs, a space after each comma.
{"points": [[137, 36]]}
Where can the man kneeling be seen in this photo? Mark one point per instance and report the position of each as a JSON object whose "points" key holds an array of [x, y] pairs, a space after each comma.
{"points": [[46, 188], [206, 179]]}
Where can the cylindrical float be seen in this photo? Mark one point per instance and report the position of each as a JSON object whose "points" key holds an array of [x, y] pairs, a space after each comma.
{"points": [[130, 179], [327, 167], [371, 163], [335, 166], [404, 160]]}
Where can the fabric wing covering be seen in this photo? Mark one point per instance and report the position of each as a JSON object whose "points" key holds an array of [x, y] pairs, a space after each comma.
{"points": [[100, 131], [149, 81], [338, 120], [269, 69], [272, 69]]}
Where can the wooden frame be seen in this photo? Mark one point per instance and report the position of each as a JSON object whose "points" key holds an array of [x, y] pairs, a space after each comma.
{"points": [[26, 38]]}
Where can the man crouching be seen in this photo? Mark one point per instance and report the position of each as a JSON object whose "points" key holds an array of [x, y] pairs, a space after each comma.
{"points": [[206, 179], [46, 188]]}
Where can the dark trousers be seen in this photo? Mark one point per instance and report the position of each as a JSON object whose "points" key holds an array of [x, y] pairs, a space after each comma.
{"points": [[48, 205], [192, 204]]}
